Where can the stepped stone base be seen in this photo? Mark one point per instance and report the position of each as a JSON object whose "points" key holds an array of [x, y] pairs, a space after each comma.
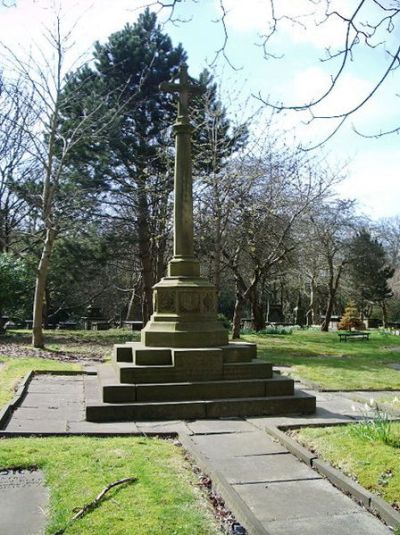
{"points": [[145, 383]]}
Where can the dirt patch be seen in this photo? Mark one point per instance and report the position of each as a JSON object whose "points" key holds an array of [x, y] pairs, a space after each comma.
{"points": [[19, 351], [392, 349]]}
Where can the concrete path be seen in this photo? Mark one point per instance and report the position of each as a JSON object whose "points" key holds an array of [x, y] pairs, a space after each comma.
{"points": [[270, 491]]}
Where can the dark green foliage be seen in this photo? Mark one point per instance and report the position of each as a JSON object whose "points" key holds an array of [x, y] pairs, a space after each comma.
{"points": [[368, 269], [16, 282], [133, 123]]}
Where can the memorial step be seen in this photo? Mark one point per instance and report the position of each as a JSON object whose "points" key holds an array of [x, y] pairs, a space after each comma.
{"points": [[189, 369], [300, 403], [113, 392]]}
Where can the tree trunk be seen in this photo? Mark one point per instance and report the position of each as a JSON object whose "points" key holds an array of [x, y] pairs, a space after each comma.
{"points": [[237, 313], [258, 315], [40, 286], [144, 253], [130, 310], [237, 317], [328, 313], [384, 314], [311, 305]]}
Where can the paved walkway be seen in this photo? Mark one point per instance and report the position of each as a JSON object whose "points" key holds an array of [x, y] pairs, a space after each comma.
{"points": [[273, 492]]}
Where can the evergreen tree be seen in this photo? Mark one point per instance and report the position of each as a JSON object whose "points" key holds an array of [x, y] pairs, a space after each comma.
{"points": [[369, 272], [132, 151]]}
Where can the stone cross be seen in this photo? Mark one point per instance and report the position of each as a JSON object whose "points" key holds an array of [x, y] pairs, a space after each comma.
{"points": [[185, 90], [183, 262]]}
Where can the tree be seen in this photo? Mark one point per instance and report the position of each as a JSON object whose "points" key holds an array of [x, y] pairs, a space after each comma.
{"points": [[59, 196], [331, 226], [135, 157], [14, 279], [272, 194], [370, 272], [17, 172], [216, 141]]}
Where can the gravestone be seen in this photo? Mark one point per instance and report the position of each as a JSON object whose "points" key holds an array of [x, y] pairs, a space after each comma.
{"points": [[184, 366]]}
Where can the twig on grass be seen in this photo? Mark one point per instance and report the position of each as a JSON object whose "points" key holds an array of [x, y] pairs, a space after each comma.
{"points": [[94, 503]]}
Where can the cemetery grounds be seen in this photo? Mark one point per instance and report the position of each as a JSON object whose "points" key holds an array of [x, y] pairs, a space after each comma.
{"points": [[77, 468]]}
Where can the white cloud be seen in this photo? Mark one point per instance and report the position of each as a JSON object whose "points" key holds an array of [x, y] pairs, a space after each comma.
{"points": [[94, 19], [373, 180]]}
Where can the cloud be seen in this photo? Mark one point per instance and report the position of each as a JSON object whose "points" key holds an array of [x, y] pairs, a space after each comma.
{"points": [[25, 24]]}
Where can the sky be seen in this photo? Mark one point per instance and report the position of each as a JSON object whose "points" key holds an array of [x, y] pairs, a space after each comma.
{"points": [[294, 76]]}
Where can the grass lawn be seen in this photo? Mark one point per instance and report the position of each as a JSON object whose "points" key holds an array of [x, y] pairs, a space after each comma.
{"points": [[164, 500], [362, 452], [64, 350], [12, 371], [321, 358]]}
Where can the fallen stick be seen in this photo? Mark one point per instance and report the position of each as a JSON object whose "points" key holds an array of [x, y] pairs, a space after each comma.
{"points": [[94, 503]]}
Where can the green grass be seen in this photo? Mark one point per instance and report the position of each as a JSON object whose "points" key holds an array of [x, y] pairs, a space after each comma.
{"points": [[361, 453], [320, 358], [164, 500], [12, 371]]}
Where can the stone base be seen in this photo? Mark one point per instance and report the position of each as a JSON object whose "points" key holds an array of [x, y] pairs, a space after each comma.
{"points": [[185, 315], [145, 383]]}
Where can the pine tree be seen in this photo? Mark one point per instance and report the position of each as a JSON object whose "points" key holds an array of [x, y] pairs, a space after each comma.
{"points": [[132, 155], [369, 272]]}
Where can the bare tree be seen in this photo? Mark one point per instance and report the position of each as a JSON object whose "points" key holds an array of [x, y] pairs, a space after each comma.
{"points": [[43, 77], [16, 170], [331, 227], [275, 192]]}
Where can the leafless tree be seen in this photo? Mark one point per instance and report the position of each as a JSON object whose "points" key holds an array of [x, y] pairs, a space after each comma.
{"points": [[16, 168], [43, 76]]}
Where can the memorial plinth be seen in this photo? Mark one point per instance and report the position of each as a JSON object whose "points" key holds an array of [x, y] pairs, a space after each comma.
{"points": [[184, 366]]}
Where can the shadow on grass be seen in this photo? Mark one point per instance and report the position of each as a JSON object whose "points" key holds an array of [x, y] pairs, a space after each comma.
{"points": [[65, 337]]}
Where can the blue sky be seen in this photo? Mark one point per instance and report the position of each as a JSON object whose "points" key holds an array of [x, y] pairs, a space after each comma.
{"points": [[373, 164]]}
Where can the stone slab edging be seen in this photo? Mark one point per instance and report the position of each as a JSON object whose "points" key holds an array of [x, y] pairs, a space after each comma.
{"points": [[369, 500], [7, 410], [232, 499]]}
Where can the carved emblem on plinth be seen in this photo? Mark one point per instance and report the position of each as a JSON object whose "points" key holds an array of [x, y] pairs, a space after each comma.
{"points": [[189, 302], [209, 303], [166, 301]]}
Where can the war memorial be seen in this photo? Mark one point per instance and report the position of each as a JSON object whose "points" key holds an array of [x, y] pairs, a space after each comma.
{"points": [[185, 367]]}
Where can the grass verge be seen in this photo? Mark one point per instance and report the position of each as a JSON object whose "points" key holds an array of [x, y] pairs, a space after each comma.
{"points": [[367, 452], [163, 500], [12, 371], [320, 358]]}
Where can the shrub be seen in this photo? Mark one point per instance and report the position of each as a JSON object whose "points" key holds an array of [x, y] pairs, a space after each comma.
{"points": [[351, 319]]}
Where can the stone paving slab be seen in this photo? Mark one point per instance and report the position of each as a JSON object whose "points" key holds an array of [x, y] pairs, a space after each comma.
{"points": [[106, 427], [22, 487], [35, 426], [361, 523], [264, 468], [230, 445], [292, 500], [234, 425]]}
